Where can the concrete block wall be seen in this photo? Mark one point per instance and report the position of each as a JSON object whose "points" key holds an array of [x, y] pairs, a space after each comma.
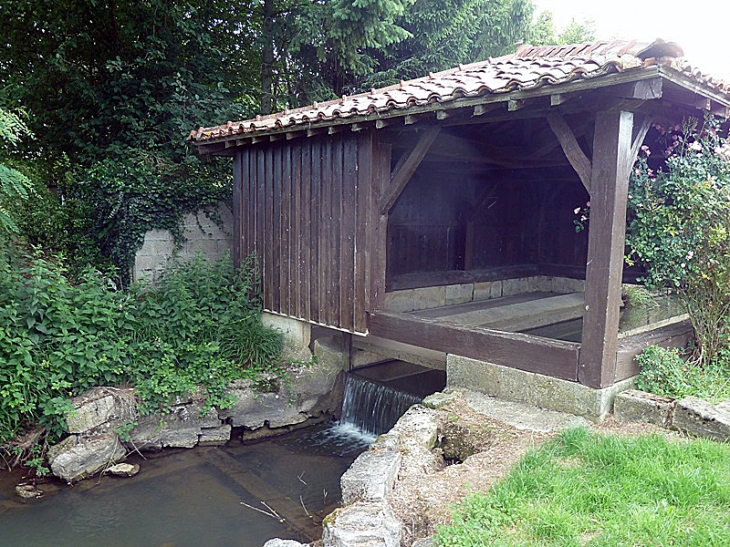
{"points": [[202, 235], [446, 295]]}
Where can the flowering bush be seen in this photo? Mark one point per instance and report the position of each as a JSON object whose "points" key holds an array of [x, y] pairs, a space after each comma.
{"points": [[679, 225]]}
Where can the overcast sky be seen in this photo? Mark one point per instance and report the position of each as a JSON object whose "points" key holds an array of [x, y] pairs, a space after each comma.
{"points": [[700, 27]]}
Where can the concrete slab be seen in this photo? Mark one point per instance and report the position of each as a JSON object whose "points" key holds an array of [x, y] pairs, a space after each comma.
{"points": [[521, 415]]}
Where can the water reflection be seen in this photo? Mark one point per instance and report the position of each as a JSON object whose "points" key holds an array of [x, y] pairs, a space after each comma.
{"points": [[206, 496]]}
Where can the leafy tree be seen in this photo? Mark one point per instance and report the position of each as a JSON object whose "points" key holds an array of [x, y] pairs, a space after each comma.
{"points": [[114, 88], [14, 185], [679, 226], [543, 31]]}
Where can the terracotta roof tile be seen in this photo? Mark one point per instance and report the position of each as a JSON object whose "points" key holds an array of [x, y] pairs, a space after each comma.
{"points": [[528, 68]]}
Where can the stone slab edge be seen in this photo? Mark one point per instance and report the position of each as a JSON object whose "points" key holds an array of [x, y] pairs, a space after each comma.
{"points": [[516, 385]]}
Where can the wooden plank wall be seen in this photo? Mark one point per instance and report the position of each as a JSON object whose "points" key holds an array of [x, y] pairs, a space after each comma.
{"points": [[308, 210]]}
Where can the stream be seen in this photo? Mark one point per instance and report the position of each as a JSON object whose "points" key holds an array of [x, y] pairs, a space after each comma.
{"points": [[241, 494]]}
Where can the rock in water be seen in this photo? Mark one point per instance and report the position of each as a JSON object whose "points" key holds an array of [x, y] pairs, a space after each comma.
{"points": [[123, 470], [28, 491]]}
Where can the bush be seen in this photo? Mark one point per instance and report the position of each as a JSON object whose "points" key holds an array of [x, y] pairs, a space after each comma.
{"points": [[667, 372], [199, 326], [679, 227]]}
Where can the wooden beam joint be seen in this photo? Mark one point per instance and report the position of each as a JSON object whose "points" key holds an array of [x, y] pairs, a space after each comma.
{"points": [[571, 148], [405, 169]]}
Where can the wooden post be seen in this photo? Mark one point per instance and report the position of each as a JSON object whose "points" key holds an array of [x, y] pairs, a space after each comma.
{"points": [[612, 159]]}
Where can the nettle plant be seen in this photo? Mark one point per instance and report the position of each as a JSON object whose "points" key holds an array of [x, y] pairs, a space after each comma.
{"points": [[679, 225]]}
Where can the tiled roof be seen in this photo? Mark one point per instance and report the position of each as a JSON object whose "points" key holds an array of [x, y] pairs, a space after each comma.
{"points": [[528, 68]]}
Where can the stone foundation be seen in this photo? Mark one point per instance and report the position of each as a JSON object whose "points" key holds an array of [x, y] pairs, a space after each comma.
{"points": [[447, 295], [512, 384]]}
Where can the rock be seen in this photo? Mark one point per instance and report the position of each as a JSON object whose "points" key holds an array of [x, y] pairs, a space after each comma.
{"points": [[102, 408], [438, 400], [284, 543], [29, 491], [638, 406], [371, 476], [182, 427], [426, 542], [123, 470], [362, 525], [78, 457], [215, 436], [418, 425], [255, 407], [702, 419]]}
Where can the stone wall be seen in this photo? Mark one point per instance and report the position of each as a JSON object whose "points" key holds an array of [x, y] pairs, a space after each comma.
{"points": [[202, 236], [447, 295]]}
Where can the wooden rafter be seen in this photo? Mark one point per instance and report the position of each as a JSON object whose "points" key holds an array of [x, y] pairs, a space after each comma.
{"points": [[404, 171], [572, 149]]}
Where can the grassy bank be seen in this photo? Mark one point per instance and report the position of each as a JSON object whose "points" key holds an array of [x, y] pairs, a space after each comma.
{"points": [[587, 489]]}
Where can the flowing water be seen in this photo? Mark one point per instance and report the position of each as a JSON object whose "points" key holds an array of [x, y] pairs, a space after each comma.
{"points": [[239, 495]]}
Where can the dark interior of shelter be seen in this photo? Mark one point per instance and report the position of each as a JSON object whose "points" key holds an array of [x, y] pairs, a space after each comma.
{"points": [[487, 202]]}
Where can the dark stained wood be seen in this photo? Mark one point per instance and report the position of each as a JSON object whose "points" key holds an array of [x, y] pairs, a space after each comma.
{"points": [[572, 149], [348, 223], [401, 176], [318, 226], [609, 184], [381, 159], [296, 243], [531, 353], [238, 216], [285, 237], [677, 335], [307, 235], [363, 232], [275, 274]]}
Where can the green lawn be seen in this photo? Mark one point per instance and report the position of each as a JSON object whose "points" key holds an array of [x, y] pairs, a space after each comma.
{"points": [[588, 489]]}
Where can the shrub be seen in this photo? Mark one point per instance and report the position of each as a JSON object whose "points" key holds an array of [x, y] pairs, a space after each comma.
{"points": [[679, 228], [667, 372], [200, 325]]}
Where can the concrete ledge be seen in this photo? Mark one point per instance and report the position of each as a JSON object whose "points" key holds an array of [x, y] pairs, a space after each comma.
{"points": [[527, 387], [637, 406], [702, 419]]}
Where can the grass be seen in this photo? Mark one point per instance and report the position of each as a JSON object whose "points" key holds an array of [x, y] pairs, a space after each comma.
{"points": [[584, 488]]}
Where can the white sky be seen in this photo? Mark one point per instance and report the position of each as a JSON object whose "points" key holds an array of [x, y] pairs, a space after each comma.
{"points": [[700, 27]]}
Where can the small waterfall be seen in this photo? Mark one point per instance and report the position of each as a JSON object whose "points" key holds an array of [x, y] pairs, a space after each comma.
{"points": [[372, 407]]}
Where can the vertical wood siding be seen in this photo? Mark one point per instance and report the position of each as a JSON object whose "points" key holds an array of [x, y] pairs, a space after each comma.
{"points": [[308, 210]]}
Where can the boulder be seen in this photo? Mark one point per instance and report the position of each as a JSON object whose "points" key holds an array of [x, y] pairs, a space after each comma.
{"points": [[77, 457], [362, 524], [284, 543], [102, 409], [702, 419], [182, 427]]}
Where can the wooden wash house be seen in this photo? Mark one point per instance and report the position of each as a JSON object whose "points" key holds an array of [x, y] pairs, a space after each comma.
{"points": [[439, 213]]}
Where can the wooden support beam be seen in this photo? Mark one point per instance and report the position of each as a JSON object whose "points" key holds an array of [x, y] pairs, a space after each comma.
{"points": [[400, 178], [410, 119], [295, 135], [355, 127], [637, 138], [642, 90], [442, 114], [385, 122], [612, 162], [515, 104], [516, 350], [572, 149], [334, 129], [313, 132]]}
